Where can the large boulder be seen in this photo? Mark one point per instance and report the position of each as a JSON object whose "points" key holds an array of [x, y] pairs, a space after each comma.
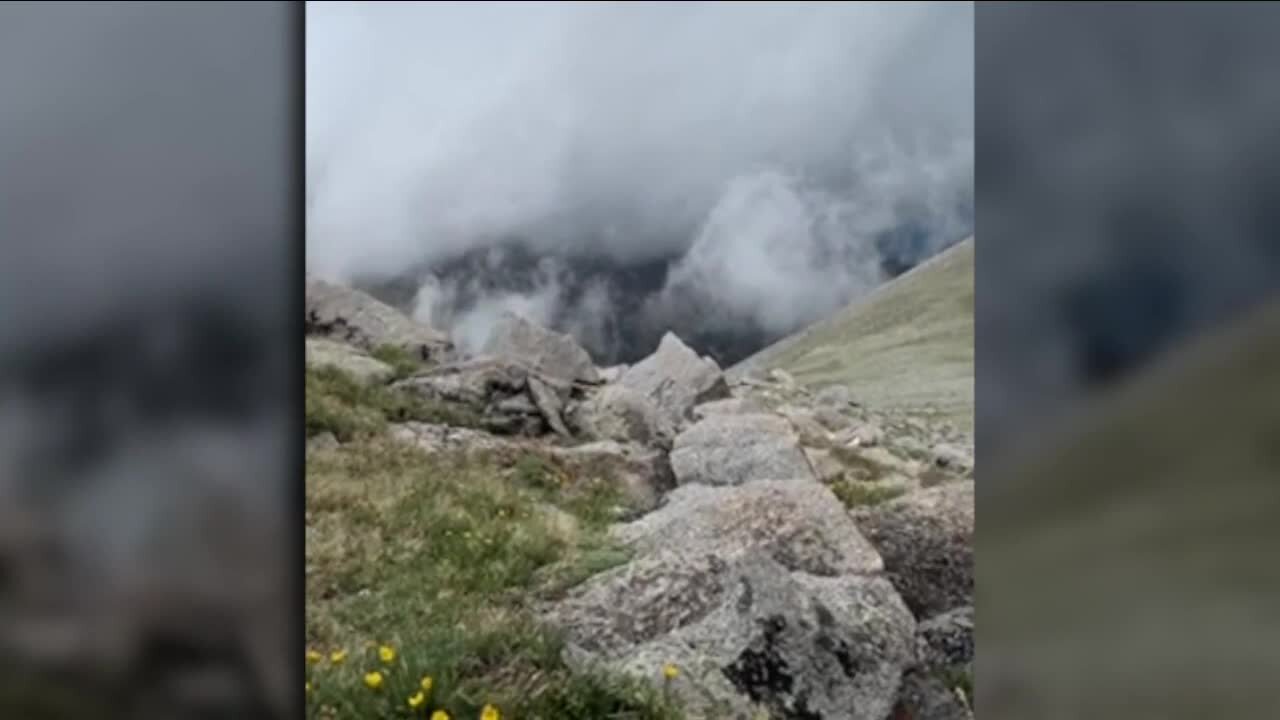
{"points": [[550, 353], [619, 413], [926, 539], [801, 525], [506, 396], [357, 318], [746, 634], [675, 379], [729, 449], [321, 352]]}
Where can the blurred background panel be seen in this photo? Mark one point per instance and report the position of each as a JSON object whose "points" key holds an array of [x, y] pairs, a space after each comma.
{"points": [[1128, 343], [150, 472]]}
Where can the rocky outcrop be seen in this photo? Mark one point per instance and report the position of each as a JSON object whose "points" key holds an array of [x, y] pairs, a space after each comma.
{"points": [[926, 539], [508, 397], [547, 352], [746, 634], [676, 379], [617, 412], [801, 525], [357, 318], [641, 473], [321, 352], [728, 449]]}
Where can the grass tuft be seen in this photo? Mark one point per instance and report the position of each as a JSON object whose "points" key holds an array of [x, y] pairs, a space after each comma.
{"points": [[337, 402]]}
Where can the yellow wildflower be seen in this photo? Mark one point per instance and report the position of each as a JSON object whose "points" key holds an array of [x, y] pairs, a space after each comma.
{"points": [[426, 683], [489, 713], [337, 657], [439, 715], [373, 680], [314, 656], [417, 700], [387, 654], [670, 671]]}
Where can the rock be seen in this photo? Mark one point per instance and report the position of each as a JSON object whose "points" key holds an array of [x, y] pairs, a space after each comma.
{"points": [[832, 419], [612, 373], [548, 403], [946, 640], [322, 352], [801, 525], [925, 697], [866, 434], [826, 467], [323, 441], [675, 379], [736, 449], [619, 413], [744, 632], [355, 317], [811, 432], [643, 473], [926, 540], [782, 377], [834, 396], [727, 406], [953, 458], [547, 352], [506, 397], [434, 438]]}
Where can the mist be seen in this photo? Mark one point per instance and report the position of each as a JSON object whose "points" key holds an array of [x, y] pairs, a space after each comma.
{"points": [[730, 172]]}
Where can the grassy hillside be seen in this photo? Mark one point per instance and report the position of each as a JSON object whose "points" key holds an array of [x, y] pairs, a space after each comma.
{"points": [[1128, 566], [906, 346]]}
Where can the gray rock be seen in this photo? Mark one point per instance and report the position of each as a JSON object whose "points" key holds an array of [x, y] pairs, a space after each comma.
{"points": [[946, 640], [321, 352], [825, 466], [323, 441], [548, 403], [926, 540], [619, 413], [952, 457], [355, 317], [736, 449], [866, 434], [675, 379], [746, 634], [925, 697], [434, 438], [727, 406], [801, 525], [547, 352], [832, 419], [782, 377], [834, 396], [811, 432], [612, 373], [642, 473]]}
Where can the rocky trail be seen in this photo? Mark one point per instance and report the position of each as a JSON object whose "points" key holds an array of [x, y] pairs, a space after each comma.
{"points": [[793, 553]]}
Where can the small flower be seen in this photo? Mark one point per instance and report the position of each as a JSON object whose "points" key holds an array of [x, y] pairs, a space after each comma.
{"points": [[426, 683], [373, 680], [489, 713], [337, 657], [308, 687], [314, 657], [670, 671], [439, 715], [387, 654], [417, 700]]}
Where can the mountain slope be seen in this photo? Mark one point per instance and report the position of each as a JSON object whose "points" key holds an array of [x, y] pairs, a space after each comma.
{"points": [[1136, 542], [906, 346]]}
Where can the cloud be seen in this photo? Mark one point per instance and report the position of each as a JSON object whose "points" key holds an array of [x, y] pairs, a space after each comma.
{"points": [[639, 133]]}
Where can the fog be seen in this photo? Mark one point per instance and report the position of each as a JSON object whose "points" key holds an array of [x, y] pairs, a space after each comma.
{"points": [[616, 170]]}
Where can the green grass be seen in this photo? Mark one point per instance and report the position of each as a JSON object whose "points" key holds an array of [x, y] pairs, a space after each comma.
{"points": [[443, 559], [862, 494], [906, 346], [338, 403], [403, 363]]}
